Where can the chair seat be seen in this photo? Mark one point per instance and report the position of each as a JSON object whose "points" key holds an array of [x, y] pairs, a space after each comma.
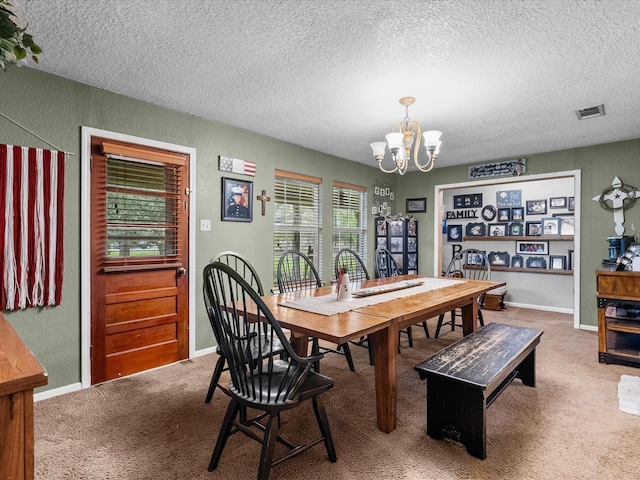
{"points": [[498, 291]]}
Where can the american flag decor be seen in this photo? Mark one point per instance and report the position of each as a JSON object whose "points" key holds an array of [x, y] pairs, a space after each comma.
{"points": [[235, 165], [31, 227]]}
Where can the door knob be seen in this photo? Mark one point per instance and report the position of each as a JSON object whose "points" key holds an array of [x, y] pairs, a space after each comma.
{"points": [[182, 271]]}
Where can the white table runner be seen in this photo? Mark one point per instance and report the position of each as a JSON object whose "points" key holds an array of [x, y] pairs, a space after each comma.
{"points": [[328, 305]]}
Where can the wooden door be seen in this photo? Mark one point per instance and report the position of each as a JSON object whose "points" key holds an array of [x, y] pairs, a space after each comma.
{"points": [[139, 256]]}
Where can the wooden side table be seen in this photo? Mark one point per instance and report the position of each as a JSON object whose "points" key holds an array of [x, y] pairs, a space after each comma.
{"points": [[20, 373]]}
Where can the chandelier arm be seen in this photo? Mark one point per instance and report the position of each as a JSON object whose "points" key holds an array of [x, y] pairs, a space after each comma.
{"points": [[384, 169], [428, 166]]}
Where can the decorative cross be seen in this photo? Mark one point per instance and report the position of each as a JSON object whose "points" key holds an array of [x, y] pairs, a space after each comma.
{"points": [[264, 199], [621, 197]]}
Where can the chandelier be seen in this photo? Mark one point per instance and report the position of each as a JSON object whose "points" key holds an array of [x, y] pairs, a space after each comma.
{"points": [[401, 140]]}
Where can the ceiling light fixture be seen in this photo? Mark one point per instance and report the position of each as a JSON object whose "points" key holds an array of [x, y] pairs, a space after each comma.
{"points": [[401, 140]]}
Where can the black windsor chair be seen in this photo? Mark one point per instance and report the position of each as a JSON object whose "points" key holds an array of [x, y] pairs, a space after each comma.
{"points": [[258, 380], [296, 272]]}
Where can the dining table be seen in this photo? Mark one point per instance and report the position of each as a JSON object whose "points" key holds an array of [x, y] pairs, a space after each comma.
{"points": [[380, 315]]}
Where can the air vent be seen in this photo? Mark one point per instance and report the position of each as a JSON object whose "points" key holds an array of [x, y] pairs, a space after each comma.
{"points": [[590, 112]]}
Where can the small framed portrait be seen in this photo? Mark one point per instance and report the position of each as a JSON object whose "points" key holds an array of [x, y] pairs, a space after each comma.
{"points": [[558, 262], [504, 214], [474, 258], [412, 244], [497, 229], [567, 224], [416, 205], [476, 229], [381, 226], [572, 204], [536, 207], [516, 229], [539, 248], [558, 202], [396, 228], [533, 229], [570, 260], [237, 200], [517, 261], [551, 226], [399, 259], [454, 233], [517, 214], [489, 213], [381, 242], [412, 261], [395, 244], [536, 262], [498, 259]]}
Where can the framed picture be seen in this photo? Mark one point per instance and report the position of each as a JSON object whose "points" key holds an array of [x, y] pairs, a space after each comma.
{"points": [[517, 214], [412, 261], [412, 244], [381, 242], [529, 247], [381, 226], [395, 245], [398, 258], [497, 229], [558, 262], [570, 258], [509, 198], [412, 227], [478, 229], [516, 229], [454, 233], [536, 262], [558, 202], [568, 223], [475, 259], [504, 214], [536, 207], [572, 204], [416, 205], [499, 259], [467, 201], [489, 213], [551, 226], [396, 228], [534, 229], [517, 261], [237, 200]]}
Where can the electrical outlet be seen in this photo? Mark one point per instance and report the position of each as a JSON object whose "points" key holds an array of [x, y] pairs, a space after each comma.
{"points": [[205, 225]]}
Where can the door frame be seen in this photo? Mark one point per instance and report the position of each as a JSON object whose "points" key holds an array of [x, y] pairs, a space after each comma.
{"points": [[85, 238], [438, 215]]}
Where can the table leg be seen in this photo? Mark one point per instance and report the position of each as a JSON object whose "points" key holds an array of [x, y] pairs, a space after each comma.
{"points": [[300, 343], [470, 317], [385, 357]]}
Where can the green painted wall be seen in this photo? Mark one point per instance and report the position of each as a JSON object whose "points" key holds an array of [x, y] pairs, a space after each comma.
{"points": [[56, 109]]}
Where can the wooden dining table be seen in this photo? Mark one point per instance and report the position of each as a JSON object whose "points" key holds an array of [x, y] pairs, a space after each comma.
{"points": [[382, 322]]}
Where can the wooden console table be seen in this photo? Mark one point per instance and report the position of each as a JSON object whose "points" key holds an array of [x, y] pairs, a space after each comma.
{"points": [[20, 373]]}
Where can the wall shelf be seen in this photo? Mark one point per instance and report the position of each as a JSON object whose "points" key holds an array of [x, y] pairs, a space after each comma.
{"points": [[551, 271], [507, 238]]}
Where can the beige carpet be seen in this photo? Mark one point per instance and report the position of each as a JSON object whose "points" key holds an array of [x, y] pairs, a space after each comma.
{"points": [[156, 425]]}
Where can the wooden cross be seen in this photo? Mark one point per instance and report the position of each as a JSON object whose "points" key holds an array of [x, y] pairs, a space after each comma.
{"points": [[264, 199]]}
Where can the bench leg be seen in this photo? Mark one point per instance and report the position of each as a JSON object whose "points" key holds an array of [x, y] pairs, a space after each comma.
{"points": [[458, 413], [527, 369]]}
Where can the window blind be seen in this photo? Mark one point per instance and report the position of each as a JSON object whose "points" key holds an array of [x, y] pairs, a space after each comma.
{"points": [[349, 206]]}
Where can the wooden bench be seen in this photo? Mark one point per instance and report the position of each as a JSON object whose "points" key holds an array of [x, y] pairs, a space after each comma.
{"points": [[464, 378]]}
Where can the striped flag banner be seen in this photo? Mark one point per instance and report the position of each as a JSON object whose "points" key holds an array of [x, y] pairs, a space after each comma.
{"points": [[235, 165], [31, 230]]}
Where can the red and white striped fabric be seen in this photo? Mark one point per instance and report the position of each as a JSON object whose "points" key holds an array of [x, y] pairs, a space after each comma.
{"points": [[31, 228]]}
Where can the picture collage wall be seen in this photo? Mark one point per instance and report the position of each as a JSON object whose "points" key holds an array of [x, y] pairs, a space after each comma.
{"points": [[511, 215], [399, 236]]}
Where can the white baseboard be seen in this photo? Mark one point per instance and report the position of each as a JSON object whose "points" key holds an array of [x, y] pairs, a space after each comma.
{"points": [[204, 351], [540, 307], [54, 392]]}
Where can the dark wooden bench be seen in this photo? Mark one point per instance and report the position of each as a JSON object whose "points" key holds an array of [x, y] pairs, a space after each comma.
{"points": [[464, 378]]}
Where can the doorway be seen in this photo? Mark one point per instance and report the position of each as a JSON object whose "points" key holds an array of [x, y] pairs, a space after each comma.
{"points": [[137, 254]]}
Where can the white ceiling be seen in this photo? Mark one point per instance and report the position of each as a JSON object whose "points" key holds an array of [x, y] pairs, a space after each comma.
{"points": [[500, 78]]}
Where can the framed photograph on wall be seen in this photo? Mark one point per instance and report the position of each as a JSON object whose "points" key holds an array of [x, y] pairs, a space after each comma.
{"points": [[568, 225], [498, 259], [237, 200], [533, 229], [416, 205], [536, 207], [517, 214], [572, 204], [454, 233], [570, 259], [533, 247], [557, 262], [558, 202], [497, 229], [476, 229], [395, 244], [516, 229], [474, 258], [551, 226], [517, 261], [536, 262], [504, 214]]}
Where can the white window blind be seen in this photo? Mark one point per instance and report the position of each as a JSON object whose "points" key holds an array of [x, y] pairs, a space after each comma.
{"points": [[297, 217], [349, 204]]}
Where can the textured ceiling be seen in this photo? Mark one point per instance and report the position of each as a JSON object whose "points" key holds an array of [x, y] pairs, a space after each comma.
{"points": [[500, 78]]}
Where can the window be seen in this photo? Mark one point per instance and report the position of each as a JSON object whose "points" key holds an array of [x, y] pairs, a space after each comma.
{"points": [[349, 205], [297, 217]]}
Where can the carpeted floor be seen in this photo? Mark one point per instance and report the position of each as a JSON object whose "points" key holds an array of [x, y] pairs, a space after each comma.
{"points": [[157, 426]]}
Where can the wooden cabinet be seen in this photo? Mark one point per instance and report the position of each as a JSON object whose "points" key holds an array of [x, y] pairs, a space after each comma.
{"points": [[20, 373], [618, 316]]}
